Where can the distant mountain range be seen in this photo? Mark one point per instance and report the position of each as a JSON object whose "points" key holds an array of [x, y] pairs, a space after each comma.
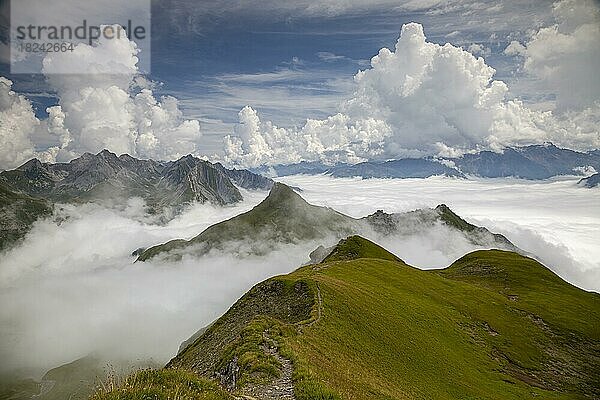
{"points": [[29, 191], [284, 217], [104, 176], [529, 162]]}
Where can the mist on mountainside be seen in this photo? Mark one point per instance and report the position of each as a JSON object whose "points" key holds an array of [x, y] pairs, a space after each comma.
{"points": [[81, 293]]}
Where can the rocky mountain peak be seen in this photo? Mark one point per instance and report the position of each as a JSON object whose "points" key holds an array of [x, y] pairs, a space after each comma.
{"points": [[107, 154], [32, 164], [282, 194], [442, 208], [355, 247]]}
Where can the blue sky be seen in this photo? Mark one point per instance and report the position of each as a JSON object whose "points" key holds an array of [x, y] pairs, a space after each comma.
{"points": [[259, 82], [295, 64], [296, 60]]}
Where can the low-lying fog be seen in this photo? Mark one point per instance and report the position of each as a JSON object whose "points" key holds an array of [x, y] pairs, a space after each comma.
{"points": [[72, 289], [556, 220]]}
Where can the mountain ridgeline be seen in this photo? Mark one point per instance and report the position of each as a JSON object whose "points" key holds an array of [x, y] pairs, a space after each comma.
{"points": [[528, 162], [29, 191], [284, 217], [106, 176], [362, 324]]}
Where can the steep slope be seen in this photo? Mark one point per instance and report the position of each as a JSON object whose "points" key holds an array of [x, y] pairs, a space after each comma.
{"points": [[246, 179], [190, 179], [17, 212], [494, 325], [283, 217], [414, 222], [476, 234], [75, 380], [106, 176]]}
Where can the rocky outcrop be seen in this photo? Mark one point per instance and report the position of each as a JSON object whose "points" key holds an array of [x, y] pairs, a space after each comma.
{"points": [[17, 212], [106, 176]]}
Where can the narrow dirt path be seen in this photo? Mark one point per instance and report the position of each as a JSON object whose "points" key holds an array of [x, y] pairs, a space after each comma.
{"points": [[279, 388]]}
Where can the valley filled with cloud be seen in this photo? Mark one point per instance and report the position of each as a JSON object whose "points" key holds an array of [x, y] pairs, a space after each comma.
{"points": [[115, 308], [139, 204]]}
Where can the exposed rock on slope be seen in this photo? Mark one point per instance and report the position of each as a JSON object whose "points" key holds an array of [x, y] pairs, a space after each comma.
{"points": [[105, 176], [591, 181], [246, 179], [17, 212], [284, 217], [364, 324]]}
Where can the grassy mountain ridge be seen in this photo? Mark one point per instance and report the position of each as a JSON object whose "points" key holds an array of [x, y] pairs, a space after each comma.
{"points": [[285, 217], [355, 247], [493, 325], [282, 217]]}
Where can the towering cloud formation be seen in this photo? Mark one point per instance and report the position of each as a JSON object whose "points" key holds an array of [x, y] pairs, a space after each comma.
{"points": [[419, 99], [566, 55], [111, 107], [337, 138], [17, 123]]}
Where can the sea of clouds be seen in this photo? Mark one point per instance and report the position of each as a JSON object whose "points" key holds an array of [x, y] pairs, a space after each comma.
{"points": [[556, 220], [72, 288]]}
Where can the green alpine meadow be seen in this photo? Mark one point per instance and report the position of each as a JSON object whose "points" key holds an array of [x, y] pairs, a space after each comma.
{"points": [[362, 324], [299, 200]]}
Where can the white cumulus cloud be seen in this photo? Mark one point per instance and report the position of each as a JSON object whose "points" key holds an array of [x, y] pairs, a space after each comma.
{"points": [[566, 55], [336, 138], [420, 98], [17, 123], [107, 108]]}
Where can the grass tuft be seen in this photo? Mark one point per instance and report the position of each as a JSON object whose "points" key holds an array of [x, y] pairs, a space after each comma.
{"points": [[163, 384]]}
